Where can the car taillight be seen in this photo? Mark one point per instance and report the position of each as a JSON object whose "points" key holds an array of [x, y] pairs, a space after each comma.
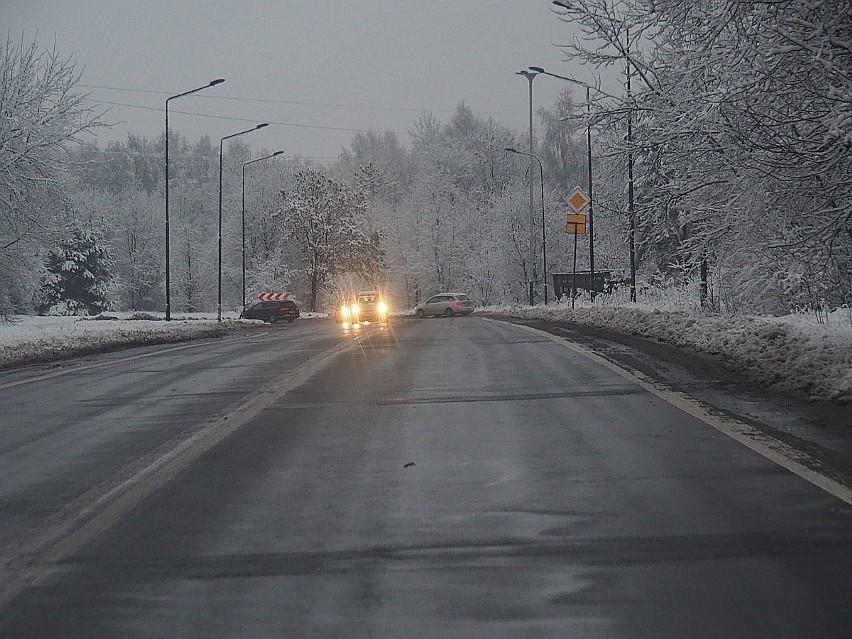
{"points": [[457, 304]]}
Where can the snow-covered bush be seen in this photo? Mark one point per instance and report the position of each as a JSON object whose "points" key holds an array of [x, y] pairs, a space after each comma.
{"points": [[77, 275]]}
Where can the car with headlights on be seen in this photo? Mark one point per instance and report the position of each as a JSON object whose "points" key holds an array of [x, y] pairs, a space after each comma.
{"points": [[366, 306], [446, 304]]}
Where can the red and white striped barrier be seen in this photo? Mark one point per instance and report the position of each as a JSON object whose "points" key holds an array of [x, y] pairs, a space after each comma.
{"points": [[266, 297]]}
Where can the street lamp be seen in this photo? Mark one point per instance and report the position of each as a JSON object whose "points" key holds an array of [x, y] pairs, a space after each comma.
{"points": [[221, 143], [245, 164], [530, 75], [630, 209], [543, 227], [589, 158], [168, 281]]}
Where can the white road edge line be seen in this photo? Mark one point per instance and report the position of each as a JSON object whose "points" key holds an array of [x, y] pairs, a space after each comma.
{"points": [[776, 451]]}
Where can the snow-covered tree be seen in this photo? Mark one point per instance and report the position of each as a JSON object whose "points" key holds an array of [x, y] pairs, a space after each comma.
{"points": [[742, 114], [327, 221], [136, 162], [270, 275], [563, 144], [40, 113], [194, 251], [457, 197], [382, 169], [269, 257], [194, 191], [132, 221], [78, 274]]}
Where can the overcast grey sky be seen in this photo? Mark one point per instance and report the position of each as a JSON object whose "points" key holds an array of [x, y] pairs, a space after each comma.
{"points": [[313, 69]]}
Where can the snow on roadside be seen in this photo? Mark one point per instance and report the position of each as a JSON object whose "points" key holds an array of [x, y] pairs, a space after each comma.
{"points": [[794, 353], [28, 340]]}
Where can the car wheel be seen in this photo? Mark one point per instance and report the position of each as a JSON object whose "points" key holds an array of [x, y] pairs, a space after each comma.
{"points": [[449, 312], [273, 319], [291, 319], [420, 313]]}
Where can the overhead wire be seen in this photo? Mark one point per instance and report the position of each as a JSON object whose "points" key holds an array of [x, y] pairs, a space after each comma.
{"points": [[336, 105], [136, 153], [235, 119], [266, 100]]}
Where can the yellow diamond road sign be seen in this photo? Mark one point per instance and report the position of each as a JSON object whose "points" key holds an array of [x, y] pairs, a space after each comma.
{"points": [[577, 200]]}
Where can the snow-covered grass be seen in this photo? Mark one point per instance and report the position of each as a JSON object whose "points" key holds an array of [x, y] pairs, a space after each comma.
{"points": [[802, 353], [33, 339], [27, 339]]}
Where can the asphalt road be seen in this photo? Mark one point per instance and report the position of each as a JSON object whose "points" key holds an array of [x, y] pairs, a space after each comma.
{"points": [[438, 478]]}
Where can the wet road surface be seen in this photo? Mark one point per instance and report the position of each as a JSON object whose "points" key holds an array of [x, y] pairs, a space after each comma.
{"points": [[437, 478]]}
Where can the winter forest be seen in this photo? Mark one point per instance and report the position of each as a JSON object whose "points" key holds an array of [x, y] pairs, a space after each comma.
{"points": [[721, 164]]}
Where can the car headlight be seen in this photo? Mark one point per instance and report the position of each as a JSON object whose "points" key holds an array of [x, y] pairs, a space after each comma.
{"points": [[355, 309], [344, 311], [383, 308]]}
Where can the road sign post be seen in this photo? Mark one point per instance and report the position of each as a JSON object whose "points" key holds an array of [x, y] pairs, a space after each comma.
{"points": [[577, 200]]}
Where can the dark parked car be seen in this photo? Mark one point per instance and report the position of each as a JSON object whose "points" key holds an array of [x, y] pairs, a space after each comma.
{"points": [[446, 304], [272, 311]]}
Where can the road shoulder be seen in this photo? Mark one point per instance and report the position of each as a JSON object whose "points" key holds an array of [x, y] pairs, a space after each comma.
{"points": [[822, 432]]}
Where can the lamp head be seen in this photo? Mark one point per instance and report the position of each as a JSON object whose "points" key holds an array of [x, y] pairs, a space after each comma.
{"points": [[215, 82], [260, 126], [277, 153], [537, 69]]}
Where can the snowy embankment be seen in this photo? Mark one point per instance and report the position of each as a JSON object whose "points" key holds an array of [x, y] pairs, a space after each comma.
{"points": [[26, 339], [794, 353], [29, 340]]}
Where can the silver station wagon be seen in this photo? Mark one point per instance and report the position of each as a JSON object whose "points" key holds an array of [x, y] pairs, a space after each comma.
{"points": [[446, 304]]}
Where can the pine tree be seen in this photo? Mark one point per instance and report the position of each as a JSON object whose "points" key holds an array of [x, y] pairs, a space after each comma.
{"points": [[78, 274]]}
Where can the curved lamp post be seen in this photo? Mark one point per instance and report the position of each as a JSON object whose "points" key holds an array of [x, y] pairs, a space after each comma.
{"points": [[530, 75], [543, 227], [245, 164], [168, 281], [589, 156], [221, 143]]}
